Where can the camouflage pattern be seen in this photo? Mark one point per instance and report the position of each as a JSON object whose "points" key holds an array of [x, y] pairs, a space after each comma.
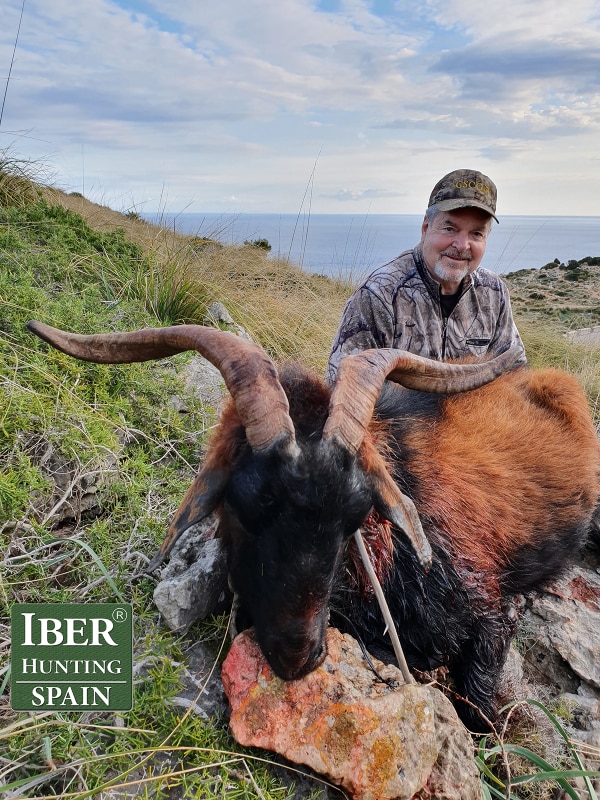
{"points": [[465, 188], [399, 306]]}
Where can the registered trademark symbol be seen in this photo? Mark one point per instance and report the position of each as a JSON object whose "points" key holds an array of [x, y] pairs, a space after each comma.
{"points": [[119, 614]]}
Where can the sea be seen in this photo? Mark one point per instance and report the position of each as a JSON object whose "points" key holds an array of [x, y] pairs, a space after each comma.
{"points": [[350, 246]]}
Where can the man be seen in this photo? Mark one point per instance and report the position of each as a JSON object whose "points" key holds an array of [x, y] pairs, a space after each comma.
{"points": [[435, 300]]}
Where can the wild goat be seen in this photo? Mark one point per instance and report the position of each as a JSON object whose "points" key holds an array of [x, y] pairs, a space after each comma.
{"points": [[503, 479]]}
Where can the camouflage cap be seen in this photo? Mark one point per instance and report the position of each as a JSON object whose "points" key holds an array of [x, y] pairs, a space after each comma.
{"points": [[464, 188]]}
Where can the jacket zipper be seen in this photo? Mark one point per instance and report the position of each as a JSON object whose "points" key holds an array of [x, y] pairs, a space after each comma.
{"points": [[444, 332], [445, 319]]}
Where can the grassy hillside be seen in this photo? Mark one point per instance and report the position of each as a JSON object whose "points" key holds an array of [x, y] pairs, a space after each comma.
{"points": [[550, 301], [562, 296], [84, 267], [292, 313], [91, 269]]}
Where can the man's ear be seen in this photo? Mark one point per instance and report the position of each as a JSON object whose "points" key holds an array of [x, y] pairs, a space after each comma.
{"points": [[424, 228]]}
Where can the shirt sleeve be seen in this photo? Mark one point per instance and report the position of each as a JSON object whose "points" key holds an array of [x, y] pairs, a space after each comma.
{"points": [[366, 322]]}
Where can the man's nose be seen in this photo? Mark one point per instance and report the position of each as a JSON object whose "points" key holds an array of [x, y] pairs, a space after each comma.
{"points": [[461, 240]]}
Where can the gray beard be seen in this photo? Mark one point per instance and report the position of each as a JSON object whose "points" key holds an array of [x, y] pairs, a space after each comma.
{"points": [[449, 275]]}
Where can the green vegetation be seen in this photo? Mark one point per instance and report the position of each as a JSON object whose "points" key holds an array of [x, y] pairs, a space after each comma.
{"points": [[262, 243], [561, 296], [115, 431], [494, 760], [65, 419]]}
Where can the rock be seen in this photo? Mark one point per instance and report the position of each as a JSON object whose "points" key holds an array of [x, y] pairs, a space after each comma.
{"points": [[454, 775], [194, 583], [585, 722], [185, 550], [560, 637], [564, 622], [201, 689], [584, 335], [74, 490], [585, 710], [217, 313], [377, 741], [203, 380]]}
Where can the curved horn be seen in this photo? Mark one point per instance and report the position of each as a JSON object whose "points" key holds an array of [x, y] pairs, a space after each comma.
{"points": [[247, 370], [361, 376]]}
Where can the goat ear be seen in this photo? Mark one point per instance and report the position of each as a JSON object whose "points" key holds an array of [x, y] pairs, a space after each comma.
{"points": [[200, 500], [400, 510]]}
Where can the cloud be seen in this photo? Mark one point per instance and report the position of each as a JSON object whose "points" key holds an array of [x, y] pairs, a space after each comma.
{"points": [[516, 19], [570, 64], [344, 195], [240, 101], [235, 62]]}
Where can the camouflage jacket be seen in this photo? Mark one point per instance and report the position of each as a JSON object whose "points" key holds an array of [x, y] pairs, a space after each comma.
{"points": [[399, 306]]}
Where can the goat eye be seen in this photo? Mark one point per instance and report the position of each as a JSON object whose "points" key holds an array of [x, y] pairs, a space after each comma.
{"points": [[251, 501]]}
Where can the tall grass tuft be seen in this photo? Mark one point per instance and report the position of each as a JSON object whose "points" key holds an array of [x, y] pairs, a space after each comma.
{"points": [[536, 776], [19, 180], [165, 290], [291, 313]]}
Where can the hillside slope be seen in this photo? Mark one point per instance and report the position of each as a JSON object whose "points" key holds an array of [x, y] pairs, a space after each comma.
{"points": [[563, 296]]}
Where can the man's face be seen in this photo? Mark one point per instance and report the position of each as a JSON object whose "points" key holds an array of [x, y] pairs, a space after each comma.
{"points": [[454, 244]]}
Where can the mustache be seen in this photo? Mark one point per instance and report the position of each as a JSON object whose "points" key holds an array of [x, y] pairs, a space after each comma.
{"points": [[452, 252]]}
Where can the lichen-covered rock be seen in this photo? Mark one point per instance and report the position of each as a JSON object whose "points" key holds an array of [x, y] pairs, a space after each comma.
{"points": [[377, 741], [217, 313], [203, 380], [73, 489]]}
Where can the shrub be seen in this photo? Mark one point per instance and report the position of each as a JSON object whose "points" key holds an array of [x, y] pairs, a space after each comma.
{"points": [[200, 243], [263, 244]]}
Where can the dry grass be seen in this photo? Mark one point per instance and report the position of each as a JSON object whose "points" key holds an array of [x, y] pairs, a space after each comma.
{"points": [[546, 346], [292, 313], [20, 180]]}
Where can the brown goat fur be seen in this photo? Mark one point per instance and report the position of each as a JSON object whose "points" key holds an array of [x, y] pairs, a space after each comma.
{"points": [[514, 459]]}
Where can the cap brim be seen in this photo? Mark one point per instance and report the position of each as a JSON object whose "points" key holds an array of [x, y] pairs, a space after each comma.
{"points": [[450, 205]]}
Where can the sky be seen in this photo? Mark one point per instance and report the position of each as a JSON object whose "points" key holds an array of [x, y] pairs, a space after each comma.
{"points": [[325, 106]]}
